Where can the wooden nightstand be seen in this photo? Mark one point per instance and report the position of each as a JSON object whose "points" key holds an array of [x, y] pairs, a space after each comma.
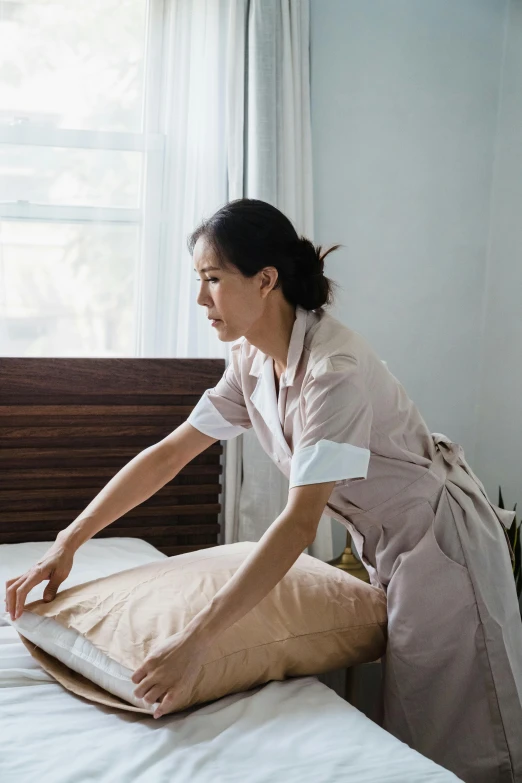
{"points": [[363, 689]]}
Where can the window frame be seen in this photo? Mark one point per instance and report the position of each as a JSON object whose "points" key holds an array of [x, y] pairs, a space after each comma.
{"points": [[151, 142]]}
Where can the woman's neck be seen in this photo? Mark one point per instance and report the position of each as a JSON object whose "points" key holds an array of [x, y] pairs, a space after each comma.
{"points": [[272, 333]]}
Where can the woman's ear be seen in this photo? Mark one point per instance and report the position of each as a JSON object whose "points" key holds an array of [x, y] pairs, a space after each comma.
{"points": [[269, 277]]}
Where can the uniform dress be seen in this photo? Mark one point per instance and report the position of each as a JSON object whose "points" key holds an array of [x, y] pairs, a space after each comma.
{"points": [[422, 522]]}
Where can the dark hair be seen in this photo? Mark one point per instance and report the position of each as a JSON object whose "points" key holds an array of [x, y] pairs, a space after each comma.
{"points": [[252, 234]]}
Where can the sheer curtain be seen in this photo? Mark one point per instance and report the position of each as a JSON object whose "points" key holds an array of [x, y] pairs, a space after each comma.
{"points": [[112, 149], [192, 120]]}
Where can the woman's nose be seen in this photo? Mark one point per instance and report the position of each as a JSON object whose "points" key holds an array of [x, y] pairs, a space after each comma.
{"points": [[203, 298]]}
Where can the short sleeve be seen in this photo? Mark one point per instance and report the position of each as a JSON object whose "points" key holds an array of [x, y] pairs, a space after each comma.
{"points": [[335, 442], [221, 412]]}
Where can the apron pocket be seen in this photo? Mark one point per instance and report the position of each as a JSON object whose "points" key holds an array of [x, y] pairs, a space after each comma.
{"points": [[430, 597], [445, 535]]}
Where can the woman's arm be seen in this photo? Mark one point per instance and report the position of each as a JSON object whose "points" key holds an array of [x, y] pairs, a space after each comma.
{"points": [[276, 552], [137, 481]]}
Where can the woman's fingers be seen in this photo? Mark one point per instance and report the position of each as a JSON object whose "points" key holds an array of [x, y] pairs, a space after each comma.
{"points": [[155, 694], [10, 593], [17, 593], [55, 566], [7, 586]]}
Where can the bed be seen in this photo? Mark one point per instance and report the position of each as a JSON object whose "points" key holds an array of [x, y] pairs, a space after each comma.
{"points": [[66, 426]]}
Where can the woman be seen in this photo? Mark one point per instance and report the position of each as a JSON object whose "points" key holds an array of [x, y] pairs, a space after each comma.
{"points": [[341, 427]]}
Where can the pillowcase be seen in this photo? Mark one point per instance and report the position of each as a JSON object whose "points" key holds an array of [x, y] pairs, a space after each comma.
{"points": [[92, 637]]}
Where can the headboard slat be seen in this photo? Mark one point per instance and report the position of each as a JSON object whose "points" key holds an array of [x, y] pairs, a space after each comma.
{"points": [[93, 478], [88, 456], [90, 411], [67, 380]]}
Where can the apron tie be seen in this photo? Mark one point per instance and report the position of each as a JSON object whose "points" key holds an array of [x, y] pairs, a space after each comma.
{"points": [[453, 454]]}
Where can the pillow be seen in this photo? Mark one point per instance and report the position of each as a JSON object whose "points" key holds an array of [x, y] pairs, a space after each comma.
{"points": [[94, 636], [95, 558]]}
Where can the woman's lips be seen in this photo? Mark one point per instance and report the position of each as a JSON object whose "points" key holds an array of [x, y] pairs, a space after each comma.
{"points": [[215, 321]]}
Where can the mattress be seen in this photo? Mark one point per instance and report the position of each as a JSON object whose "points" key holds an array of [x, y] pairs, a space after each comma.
{"points": [[294, 731]]}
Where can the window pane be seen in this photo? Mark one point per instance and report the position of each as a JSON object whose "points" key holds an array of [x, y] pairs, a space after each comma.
{"points": [[70, 177], [73, 64], [67, 289]]}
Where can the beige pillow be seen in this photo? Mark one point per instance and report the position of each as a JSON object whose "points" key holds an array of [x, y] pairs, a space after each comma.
{"points": [[94, 636]]}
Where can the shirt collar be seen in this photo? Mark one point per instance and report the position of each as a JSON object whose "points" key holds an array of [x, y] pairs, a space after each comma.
{"points": [[295, 348]]}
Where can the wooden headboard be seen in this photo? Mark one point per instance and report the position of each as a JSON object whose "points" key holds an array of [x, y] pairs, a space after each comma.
{"points": [[68, 425]]}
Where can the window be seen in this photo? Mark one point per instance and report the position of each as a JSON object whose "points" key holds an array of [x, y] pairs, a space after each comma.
{"points": [[79, 150]]}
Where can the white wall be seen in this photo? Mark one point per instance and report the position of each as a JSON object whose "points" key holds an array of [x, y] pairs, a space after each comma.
{"points": [[405, 99], [499, 434]]}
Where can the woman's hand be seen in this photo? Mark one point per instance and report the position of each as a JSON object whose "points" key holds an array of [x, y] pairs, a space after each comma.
{"points": [[169, 671], [55, 566]]}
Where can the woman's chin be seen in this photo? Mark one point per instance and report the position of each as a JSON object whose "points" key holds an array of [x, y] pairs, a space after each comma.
{"points": [[219, 329], [223, 335]]}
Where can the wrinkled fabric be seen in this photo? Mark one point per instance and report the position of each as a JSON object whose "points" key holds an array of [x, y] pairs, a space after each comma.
{"points": [[426, 530]]}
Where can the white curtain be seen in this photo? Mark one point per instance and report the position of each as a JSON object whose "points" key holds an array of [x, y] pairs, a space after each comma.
{"points": [[193, 122], [269, 150], [193, 119]]}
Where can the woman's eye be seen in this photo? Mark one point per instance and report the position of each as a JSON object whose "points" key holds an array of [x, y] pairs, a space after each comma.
{"points": [[207, 279]]}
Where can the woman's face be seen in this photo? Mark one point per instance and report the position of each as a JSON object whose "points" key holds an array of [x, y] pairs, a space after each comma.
{"points": [[236, 301]]}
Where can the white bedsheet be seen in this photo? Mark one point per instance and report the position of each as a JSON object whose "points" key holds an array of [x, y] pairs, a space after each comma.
{"points": [[293, 731]]}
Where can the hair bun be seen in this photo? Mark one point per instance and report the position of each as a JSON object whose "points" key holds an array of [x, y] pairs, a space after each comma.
{"points": [[310, 263]]}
